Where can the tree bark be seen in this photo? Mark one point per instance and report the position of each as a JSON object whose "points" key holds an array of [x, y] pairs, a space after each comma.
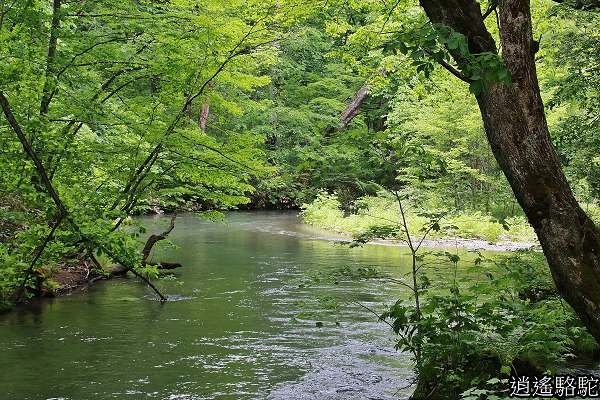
{"points": [[516, 128], [353, 107], [204, 113], [49, 79]]}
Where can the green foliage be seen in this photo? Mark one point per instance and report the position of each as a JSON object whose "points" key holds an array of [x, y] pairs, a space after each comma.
{"points": [[474, 334], [307, 93], [12, 269], [110, 97], [377, 218], [138, 106], [467, 333], [570, 70]]}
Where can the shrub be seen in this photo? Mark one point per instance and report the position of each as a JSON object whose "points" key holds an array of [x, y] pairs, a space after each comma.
{"points": [[471, 337], [326, 212]]}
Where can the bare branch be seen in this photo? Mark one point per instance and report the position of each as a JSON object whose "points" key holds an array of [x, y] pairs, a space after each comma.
{"points": [[153, 239]]}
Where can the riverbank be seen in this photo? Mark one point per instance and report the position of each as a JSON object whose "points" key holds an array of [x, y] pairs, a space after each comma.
{"points": [[464, 244], [470, 231], [72, 279], [242, 302], [79, 276], [438, 243], [67, 279]]}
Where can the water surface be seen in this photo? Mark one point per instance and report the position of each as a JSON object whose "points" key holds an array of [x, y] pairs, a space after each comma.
{"points": [[240, 326]]}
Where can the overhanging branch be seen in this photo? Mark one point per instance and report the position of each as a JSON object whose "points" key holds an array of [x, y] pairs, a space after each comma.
{"points": [[62, 210]]}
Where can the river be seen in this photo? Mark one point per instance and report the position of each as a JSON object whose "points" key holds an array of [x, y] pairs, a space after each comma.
{"points": [[240, 324]]}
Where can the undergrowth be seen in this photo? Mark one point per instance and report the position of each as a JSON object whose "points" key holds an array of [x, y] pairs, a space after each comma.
{"points": [[326, 212]]}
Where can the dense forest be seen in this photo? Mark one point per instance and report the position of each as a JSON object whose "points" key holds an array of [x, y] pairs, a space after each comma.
{"points": [[404, 122]]}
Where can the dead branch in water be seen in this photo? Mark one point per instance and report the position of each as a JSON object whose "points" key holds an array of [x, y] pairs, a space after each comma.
{"points": [[153, 239]]}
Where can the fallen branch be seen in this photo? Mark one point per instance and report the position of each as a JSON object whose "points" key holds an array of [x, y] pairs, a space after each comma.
{"points": [[353, 108], [119, 270], [153, 239], [167, 265]]}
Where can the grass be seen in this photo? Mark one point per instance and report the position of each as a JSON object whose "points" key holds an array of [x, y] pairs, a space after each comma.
{"points": [[326, 213]]}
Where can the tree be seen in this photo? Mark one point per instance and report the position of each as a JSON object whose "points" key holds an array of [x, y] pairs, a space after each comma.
{"points": [[99, 94], [516, 127]]}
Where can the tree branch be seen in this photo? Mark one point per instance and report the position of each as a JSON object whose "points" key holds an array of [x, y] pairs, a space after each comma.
{"points": [[62, 210], [48, 91], [153, 239], [144, 168], [37, 254]]}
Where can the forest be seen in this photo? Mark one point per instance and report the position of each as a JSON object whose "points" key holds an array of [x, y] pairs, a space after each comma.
{"points": [[281, 199]]}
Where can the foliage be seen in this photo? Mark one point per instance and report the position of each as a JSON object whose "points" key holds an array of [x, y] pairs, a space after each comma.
{"points": [[469, 332], [109, 96], [326, 213], [573, 89], [479, 333], [141, 106], [306, 94]]}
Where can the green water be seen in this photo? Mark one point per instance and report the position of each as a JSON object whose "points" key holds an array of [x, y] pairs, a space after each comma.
{"points": [[229, 331]]}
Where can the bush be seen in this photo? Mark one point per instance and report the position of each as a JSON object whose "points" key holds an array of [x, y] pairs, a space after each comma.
{"points": [[467, 335], [326, 212], [469, 338], [476, 225], [11, 272]]}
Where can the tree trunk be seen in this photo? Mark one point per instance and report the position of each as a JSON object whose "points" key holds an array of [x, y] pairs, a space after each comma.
{"points": [[49, 79], [203, 117], [516, 128], [353, 108]]}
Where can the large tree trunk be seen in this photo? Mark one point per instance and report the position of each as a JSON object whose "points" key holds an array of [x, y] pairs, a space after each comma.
{"points": [[517, 131]]}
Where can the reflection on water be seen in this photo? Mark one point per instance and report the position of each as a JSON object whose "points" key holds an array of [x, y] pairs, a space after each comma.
{"points": [[229, 332]]}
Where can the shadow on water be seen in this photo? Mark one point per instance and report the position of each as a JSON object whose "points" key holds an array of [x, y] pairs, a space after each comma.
{"points": [[230, 330]]}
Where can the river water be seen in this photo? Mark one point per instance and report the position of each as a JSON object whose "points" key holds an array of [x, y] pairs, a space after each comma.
{"points": [[241, 325]]}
